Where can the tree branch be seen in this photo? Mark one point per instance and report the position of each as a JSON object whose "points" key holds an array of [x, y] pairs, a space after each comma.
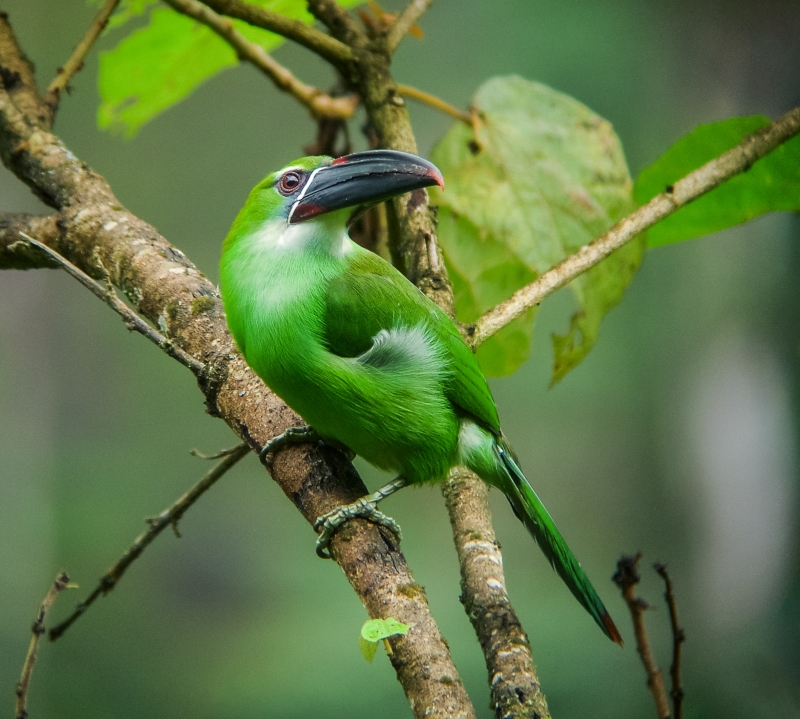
{"points": [[169, 517], [436, 103], [318, 103], [408, 18], [338, 21], [132, 321], [678, 638], [61, 583], [733, 162], [513, 683], [18, 78], [323, 45], [75, 62], [626, 578], [412, 226], [166, 288], [25, 256]]}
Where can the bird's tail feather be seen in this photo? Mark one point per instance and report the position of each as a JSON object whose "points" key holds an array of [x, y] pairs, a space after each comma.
{"points": [[530, 510]]}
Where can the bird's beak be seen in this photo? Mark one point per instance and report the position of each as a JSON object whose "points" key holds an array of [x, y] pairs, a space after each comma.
{"points": [[362, 180]]}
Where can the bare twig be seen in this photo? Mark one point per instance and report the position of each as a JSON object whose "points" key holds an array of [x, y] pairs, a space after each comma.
{"points": [[733, 162], [408, 18], [318, 103], [436, 102], [75, 62], [338, 21], [678, 638], [132, 320], [217, 455], [61, 582], [309, 37], [169, 517], [25, 256], [626, 578]]}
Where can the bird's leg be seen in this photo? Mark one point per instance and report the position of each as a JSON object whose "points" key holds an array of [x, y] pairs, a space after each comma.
{"points": [[366, 507], [293, 435]]}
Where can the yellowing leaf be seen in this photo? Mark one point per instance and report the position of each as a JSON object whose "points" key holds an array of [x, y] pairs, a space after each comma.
{"points": [[542, 176]]}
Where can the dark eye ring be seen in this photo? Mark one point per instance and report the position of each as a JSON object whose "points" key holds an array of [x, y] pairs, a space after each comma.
{"points": [[290, 182]]}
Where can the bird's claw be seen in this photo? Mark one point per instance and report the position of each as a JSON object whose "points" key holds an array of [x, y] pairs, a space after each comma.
{"points": [[364, 508], [293, 435]]}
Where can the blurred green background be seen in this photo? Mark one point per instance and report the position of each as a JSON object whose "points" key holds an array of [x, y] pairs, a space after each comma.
{"points": [[678, 436]]}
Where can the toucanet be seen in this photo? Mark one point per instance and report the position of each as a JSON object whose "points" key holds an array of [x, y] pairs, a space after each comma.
{"points": [[367, 360]]}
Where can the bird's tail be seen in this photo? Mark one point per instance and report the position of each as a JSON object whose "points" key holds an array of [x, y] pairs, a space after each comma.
{"points": [[503, 471]]}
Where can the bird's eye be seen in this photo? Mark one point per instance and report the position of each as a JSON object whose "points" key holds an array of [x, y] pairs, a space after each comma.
{"points": [[290, 182]]}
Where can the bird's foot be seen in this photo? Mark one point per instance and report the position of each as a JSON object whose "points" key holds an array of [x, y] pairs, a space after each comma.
{"points": [[366, 507], [293, 435]]}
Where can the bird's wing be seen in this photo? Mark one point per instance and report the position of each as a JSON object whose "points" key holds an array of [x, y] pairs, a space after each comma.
{"points": [[372, 296]]}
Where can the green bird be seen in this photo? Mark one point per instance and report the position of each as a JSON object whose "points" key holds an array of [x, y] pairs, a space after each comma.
{"points": [[367, 360]]}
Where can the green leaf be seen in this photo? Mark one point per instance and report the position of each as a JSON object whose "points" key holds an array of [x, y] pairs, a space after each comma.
{"points": [[772, 184], [375, 630], [542, 177], [368, 648], [157, 66]]}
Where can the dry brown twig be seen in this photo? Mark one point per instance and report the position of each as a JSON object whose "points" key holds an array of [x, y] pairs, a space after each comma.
{"points": [[678, 638], [318, 103], [75, 62], [61, 582], [626, 578], [169, 517], [408, 19]]}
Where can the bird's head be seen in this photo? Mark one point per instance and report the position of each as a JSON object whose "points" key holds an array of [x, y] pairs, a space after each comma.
{"points": [[314, 186]]}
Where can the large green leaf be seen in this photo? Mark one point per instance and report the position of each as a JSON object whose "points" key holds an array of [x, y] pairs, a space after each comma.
{"points": [[771, 184], [543, 176], [155, 67]]}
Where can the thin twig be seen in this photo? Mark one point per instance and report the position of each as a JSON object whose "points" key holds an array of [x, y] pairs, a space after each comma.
{"points": [[695, 184], [436, 102], [324, 45], [626, 578], [338, 21], [318, 103], [408, 18], [131, 319], [678, 638], [169, 517], [75, 62], [61, 582], [217, 455]]}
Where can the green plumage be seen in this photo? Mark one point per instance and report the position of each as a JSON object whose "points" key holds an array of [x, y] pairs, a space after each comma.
{"points": [[367, 360]]}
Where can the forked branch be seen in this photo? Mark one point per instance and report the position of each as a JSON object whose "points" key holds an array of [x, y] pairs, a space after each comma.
{"points": [[626, 578], [169, 517], [318, 103], [408, 18], [75, 62], [61, 583], [323, 45]]}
